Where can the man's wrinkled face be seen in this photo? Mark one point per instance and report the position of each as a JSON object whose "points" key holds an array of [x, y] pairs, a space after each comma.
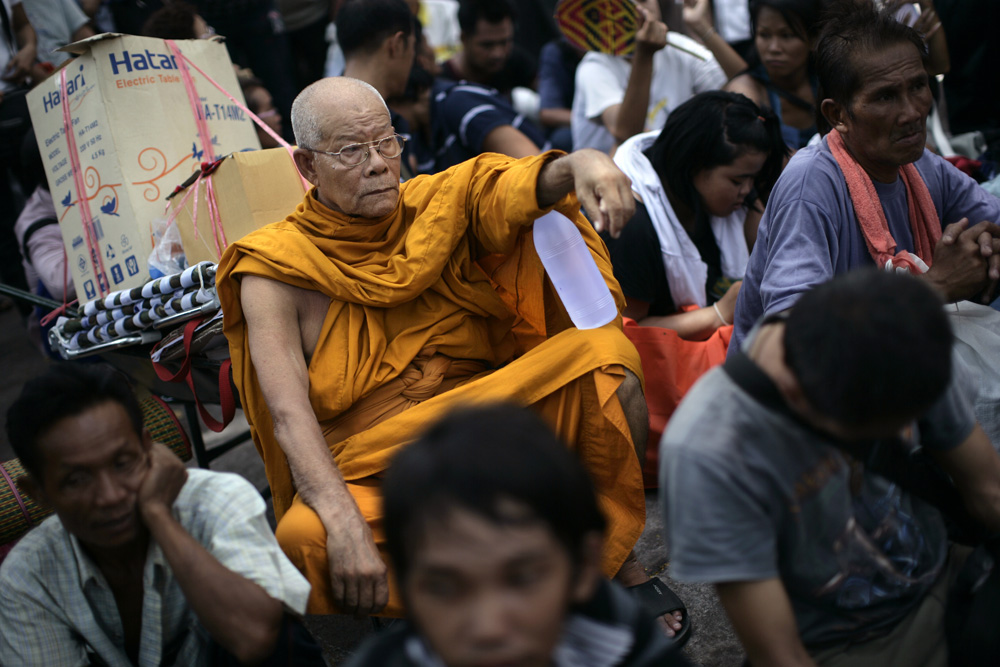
{"points": [[366, 190], [884, 126], [93, 464], [483, 593], [487, 49]]}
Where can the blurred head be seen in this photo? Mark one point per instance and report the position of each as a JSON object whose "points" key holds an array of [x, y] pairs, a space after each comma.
{"points": [[494, 531], [385, 27], [416, 100], [363, 25], [177, 20], [78, 432], [871, 352], [259, 101], [424, 56], [784, 33], [487, 34], [874, 86], [334, 113], [717, 152]]}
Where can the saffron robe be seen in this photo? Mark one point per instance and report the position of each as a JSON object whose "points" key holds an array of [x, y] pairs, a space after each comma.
{"points": [[442, 302]]}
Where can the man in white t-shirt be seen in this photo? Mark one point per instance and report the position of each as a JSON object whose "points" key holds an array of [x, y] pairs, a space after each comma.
{"points": [[17, 56], [17, 46], [57, 23], [617, 97]]}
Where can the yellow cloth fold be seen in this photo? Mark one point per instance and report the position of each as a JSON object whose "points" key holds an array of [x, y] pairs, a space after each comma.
{"points": [[447, 294]]}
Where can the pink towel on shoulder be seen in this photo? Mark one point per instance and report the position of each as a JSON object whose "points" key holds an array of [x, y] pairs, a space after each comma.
{"points": [[924, 220]]}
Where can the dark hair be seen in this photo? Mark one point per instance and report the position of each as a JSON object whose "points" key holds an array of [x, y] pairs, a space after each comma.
{"points": [[491, 11], [852, 31], [363, 25], [713, 129], [32, 167], [64, 390], [869, 346], [802, 16], [419, 81], [173, 21], [475, 458], [247, 84]]}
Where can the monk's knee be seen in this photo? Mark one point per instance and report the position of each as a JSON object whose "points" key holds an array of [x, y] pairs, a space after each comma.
{"points": [[300, 529], [633, 403]]}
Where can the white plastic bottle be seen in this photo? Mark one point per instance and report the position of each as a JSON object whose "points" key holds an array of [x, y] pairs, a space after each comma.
{"points": [[572, 270]]}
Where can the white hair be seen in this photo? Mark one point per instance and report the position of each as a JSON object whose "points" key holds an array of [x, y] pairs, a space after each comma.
{"points": [[308, 112]]}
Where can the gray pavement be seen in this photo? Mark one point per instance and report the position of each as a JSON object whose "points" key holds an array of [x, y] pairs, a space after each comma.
{"points": [[713, 642]]}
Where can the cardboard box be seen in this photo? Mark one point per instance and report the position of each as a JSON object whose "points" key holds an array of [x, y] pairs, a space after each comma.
{"points": [[136, 137], [251, 190]]}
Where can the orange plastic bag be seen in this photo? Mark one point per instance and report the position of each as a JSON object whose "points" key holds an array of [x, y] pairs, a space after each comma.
{"points": [[671, 366]]}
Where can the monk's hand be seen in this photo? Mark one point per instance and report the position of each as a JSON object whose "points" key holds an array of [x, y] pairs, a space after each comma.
{"points": [[164, 479], [964, 260], [603, 190], [358, 576]]}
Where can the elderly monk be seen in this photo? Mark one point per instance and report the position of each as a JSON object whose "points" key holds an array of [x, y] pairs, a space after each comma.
{"points": [[376, 307]]}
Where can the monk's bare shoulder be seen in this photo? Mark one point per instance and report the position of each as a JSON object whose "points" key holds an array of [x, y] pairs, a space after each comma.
{"points": [[281, 312]]}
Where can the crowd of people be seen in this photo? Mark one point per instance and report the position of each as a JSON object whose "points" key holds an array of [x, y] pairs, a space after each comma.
{"points": [[752, 193]]}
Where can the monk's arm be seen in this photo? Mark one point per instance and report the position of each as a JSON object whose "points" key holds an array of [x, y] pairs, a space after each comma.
{"points": [[358, 577], [603, 190]]}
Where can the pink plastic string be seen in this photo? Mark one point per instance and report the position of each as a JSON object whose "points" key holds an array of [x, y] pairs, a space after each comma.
{"points": [[17, 496], [261, 124], [44, 321], [195, 101], [215, 220], [81, 191], [194, 206]]}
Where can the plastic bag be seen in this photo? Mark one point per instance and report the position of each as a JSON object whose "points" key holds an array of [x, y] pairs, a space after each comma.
{"points": [[167, 257]]}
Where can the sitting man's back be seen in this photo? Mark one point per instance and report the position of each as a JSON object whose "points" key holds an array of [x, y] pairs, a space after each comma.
{"points": [[813, 556]]}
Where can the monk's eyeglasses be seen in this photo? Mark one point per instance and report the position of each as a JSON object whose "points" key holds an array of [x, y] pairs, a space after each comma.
{"points": [[352, 155]]}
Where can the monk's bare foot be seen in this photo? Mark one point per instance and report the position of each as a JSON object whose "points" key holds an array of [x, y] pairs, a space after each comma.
{"points": [[632, 574]]}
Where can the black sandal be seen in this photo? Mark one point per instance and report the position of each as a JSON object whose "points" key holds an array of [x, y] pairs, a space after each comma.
{"points": [[656, 599]]}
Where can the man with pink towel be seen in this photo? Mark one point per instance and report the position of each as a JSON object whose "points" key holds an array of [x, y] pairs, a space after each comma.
{"points": [[870, 192]]}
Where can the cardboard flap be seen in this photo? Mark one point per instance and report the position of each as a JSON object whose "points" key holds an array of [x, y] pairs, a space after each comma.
{"points": [[252, 189], [84, 44]]}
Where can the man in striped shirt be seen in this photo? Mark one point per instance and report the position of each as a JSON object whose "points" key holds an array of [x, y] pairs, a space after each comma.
{"points": [[145, 562]]}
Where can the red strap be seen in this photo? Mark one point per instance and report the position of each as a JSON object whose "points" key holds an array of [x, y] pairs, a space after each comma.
{"points": [[226, 398], [185, 369]]}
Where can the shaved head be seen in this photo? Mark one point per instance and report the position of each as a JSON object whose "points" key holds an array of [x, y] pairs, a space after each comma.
{"points": [[326, 102]]}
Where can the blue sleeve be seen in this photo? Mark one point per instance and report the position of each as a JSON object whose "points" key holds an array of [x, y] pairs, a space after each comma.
{"points": [[804, 239], [555, 83], [961, 196], [719, 527], [470, 113], [795, 251], [950, 420]]}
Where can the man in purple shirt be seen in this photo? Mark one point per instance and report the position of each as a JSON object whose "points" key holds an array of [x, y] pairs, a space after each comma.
{"points": [[877, 98]]}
